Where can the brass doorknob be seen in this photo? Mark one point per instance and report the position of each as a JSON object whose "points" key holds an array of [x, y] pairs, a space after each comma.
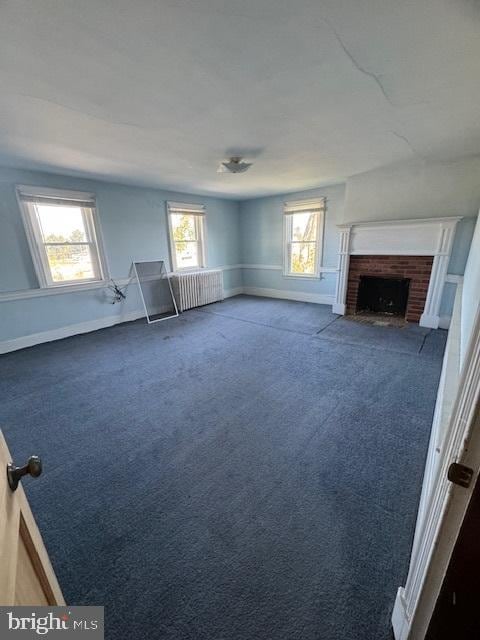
{"points": [[15, 474]]}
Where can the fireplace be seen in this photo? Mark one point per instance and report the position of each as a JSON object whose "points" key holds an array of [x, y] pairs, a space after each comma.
{"points": [[387, 296], [389, 284], [416, 249]]}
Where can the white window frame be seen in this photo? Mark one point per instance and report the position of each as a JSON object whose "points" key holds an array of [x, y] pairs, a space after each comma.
{"points": [[25, 197], [198, 211], [316, 206]]}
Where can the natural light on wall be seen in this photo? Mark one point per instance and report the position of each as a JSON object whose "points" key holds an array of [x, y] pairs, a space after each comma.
{"points": [[303, 226], [63, 238]]}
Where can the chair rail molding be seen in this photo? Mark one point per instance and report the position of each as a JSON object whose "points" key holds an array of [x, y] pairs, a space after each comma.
{"points": [[410, 237]]}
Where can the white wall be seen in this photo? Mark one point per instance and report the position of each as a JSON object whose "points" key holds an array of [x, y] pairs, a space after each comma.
{"points": [[415, 190]]}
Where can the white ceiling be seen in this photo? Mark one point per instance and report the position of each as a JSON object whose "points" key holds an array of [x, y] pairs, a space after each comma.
{"points": [[156, 92]]}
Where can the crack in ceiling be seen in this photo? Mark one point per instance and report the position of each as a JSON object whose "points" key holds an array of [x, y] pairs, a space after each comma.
{"points": [[319, 91], [370, 74], [408, 143]]}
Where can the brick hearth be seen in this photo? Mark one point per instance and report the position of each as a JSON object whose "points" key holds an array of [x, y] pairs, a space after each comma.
{"points": [[416, 268]]}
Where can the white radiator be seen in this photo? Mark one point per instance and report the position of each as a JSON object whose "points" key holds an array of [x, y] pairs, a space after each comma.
{"points": [[197, 288]]}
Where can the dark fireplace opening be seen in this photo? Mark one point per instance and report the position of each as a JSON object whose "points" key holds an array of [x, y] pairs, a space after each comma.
{"points": [[387, 296]]}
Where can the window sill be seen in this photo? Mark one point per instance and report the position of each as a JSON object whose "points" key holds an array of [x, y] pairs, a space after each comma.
{"points": [[189, 270], [72, 284], [317, 276]]}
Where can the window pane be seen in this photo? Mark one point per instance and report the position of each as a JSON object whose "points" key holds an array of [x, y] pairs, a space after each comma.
{"points": [[302, 258], [61, 224], [184, 227], [304, 226], [187, 255], [70, 262]]}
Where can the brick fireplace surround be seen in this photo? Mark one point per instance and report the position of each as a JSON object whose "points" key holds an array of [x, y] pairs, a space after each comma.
{"points": [[416, 268]]}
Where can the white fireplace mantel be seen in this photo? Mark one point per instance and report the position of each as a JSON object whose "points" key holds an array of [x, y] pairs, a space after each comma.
{"points": [[411, 237]]}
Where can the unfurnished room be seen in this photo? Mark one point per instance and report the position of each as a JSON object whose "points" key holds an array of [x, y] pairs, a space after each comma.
{"points": [[240, 319]]}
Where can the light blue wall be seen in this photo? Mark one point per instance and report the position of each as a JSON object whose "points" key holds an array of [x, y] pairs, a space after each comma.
{"points": [[133, 222], [262, 241], [262, 234], [134, 226], [458, 260]]}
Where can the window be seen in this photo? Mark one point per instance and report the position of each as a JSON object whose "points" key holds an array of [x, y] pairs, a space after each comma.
{"points": [[303, 225], [186, 223], [63, 236]]}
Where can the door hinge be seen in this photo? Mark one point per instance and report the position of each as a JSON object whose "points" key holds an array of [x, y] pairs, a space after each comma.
{"points": [[460, 474]]}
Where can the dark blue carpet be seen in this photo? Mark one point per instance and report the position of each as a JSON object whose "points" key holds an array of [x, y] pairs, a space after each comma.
{"points": [[299, 317], [210, 478]]}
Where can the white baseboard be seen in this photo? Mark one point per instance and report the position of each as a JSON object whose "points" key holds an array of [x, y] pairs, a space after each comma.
{"points": [[101, 323], [299, 296], [70, 330], [229, 293], [338, 307], [400, 622], [81, 327]]}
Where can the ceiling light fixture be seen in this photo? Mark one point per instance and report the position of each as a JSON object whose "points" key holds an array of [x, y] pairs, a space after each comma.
{"points": [[234, 165]]}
